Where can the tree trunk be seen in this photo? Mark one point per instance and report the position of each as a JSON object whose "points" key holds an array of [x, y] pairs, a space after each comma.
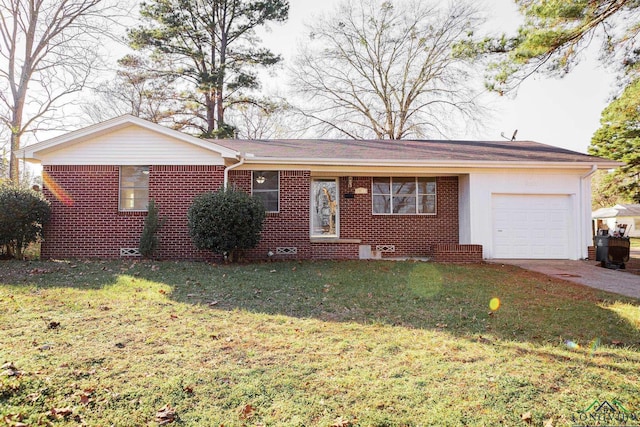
{"points": [[14, 169]]}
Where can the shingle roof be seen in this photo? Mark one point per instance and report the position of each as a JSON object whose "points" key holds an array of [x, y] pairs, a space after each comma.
{"points": [[408, 150]]}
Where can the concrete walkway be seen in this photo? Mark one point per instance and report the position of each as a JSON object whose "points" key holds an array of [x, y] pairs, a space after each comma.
{"points": [[587, 273]]}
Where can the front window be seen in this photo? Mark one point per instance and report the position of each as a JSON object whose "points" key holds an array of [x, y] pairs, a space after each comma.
{"points": [[134, 188], [404, 196], [266, 187], [324, 208]]}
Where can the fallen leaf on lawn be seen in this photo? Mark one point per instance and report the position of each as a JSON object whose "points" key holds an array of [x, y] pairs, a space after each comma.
{"points": [[162, 291], [33, 397], [341, 422], [9, 370], [53, 325], [155, 268], [526, 417], [212, 303], [483, 340], [165, 415], [188, 389], [618, 343], [548, 423], [84, 398], [62, 412], [174, 316], [247, 412], [14, 419]]}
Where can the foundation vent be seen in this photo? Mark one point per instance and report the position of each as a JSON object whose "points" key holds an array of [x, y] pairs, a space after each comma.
{"points": [[129, 252], [287, 251]]}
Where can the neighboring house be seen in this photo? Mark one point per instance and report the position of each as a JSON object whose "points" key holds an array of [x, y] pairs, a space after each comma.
{"points": [[622, 216], [326, 199]]}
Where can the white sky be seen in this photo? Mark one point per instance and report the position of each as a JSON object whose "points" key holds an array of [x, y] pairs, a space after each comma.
{"points": [[562, 112]]}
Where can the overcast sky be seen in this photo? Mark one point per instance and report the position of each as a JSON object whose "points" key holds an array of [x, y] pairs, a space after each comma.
{"points": [[562, 112]]}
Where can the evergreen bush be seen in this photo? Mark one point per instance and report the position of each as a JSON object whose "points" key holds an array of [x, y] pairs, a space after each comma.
{"points": [[226, 222], [23, 213], [149, 237]]}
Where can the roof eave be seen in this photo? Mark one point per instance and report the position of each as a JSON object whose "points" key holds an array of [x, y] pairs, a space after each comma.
{"points": [[250, 159]]}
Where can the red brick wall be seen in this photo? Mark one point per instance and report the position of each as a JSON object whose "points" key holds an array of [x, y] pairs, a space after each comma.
{"points": [[93, 226], [290, 226], [448, 252], [173, 188], [412, 235]]}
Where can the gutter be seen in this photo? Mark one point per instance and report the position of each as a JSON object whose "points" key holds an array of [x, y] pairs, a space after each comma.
{"points": [[227, 169], [418, 163]]}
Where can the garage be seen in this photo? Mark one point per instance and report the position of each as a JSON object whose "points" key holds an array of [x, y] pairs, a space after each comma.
{"points": [[531, 226]]}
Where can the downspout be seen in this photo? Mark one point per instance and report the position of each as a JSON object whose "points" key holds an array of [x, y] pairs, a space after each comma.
{"points": [[583, 208], [227, 169]]}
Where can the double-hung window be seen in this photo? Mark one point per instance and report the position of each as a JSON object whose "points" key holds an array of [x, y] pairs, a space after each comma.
{"points": [[266, 187], [404, 195], [134, 188]]}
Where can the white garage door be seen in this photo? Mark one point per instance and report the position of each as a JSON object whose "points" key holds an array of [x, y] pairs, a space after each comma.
{"points": [[531, 226]]}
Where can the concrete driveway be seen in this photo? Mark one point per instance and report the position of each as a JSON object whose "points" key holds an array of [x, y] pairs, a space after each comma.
{"points": [[587, 273]]}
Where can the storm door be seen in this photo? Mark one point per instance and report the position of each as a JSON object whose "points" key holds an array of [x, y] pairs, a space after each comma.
{"points": [[325, 208]]}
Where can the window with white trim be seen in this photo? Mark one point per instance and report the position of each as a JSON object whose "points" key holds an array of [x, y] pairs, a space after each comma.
{"points": [[134, 188], [266, 186], [404, 196]]}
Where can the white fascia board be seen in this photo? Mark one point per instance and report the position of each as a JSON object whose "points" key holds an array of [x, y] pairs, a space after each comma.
{"points": [[30, 151], [432, 163]]}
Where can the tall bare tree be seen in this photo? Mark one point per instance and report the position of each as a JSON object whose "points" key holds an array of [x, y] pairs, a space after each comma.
{"points": [[266, 119], [48, 49], [387, 69]]}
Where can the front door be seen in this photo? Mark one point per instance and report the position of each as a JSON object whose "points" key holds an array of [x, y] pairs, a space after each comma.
{"points": [[325, 208]]}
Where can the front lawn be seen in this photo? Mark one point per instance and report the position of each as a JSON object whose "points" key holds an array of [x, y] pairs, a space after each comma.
{"points": [[309, 344]]}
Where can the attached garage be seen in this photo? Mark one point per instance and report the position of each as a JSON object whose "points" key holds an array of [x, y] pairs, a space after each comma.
{"points": [[532, 226]]}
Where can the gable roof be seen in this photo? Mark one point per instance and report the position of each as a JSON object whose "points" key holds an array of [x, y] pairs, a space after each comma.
{"points": [[346, 152], [30, 152], [622, 210], [432, 152]]}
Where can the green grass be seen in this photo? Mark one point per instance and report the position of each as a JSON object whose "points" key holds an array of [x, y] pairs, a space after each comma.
{"points": [[308, 344]]}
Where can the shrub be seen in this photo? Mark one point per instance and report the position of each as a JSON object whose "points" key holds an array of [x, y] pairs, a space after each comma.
{"points": [[226, 222], [22, 215], [149, 238]]}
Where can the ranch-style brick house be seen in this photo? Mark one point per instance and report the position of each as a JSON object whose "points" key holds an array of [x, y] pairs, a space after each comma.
{"points": [[458, 201]]}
